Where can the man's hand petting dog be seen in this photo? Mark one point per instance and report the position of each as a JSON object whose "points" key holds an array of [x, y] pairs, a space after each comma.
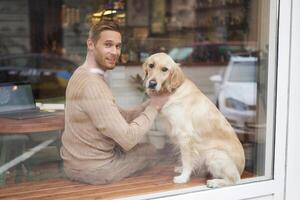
{"points": [[158, 100]]}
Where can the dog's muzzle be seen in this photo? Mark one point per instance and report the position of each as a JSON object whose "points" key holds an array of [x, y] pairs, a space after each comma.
{"points": [[152, 84]]}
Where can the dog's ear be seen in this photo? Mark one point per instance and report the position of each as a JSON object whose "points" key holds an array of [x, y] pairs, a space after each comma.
{"points": [[145, 69], [175, 79]]}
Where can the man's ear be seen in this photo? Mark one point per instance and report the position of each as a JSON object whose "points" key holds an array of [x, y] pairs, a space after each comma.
{"points": [[175, 79], [90, 44]]}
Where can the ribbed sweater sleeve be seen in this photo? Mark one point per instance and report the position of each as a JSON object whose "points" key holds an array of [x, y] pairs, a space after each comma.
{"points": [[105, 115], [133, 112]]}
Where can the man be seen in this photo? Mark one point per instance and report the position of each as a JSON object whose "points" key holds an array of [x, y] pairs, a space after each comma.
{"points": [[100, 141]]}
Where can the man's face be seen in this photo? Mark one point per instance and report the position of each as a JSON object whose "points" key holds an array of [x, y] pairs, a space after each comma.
{"points": [[107, 49]]}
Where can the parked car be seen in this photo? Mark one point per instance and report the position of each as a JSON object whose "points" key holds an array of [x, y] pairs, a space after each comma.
{"points": [[236, 92], [205, 52], [48, 74]]}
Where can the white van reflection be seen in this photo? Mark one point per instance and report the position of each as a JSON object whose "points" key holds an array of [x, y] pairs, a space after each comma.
{"points": [[235, 92]]}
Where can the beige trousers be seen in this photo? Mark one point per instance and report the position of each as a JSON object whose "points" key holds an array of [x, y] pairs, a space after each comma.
{"points": [[126, 163]]}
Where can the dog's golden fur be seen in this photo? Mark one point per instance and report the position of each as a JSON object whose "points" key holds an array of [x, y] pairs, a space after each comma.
{"points": [[207, 142]]}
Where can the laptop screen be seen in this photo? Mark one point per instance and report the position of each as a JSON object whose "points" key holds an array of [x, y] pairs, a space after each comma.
{"points": [[16, 97]]}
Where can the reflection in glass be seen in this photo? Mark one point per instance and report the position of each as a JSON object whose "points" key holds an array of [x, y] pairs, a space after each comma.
{"points": [[221, 45], [243, 71]]}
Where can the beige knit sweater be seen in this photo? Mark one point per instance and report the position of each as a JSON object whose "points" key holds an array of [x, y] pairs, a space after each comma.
{"points": [[94, 123]]}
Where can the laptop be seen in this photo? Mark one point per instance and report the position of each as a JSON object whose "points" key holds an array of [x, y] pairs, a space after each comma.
{"points": [[17, 102]]}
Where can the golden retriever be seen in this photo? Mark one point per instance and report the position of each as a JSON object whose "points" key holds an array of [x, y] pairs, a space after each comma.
{"points": [[207, 142]]}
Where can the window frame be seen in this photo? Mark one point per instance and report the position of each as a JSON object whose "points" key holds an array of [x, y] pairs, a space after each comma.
{"points": [[279, 65], [293, 137]]}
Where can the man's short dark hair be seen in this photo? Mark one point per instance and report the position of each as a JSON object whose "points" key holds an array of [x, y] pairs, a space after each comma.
{"points": [[102, 25]]}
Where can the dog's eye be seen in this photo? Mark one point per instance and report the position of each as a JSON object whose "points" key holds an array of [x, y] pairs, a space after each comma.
{"points": [[164, 69], [151, 65]]}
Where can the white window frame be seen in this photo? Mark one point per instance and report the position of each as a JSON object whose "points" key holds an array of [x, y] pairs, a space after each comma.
{"points": [[293, 136], [284, 183]]}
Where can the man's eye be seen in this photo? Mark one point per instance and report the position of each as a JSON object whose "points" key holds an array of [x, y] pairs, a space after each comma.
{"points": [[108, 44], [164, 69], [151, 65]]}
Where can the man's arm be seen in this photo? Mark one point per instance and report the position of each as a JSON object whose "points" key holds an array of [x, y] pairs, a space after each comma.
{"points": [[131, 113], [103, 111]]}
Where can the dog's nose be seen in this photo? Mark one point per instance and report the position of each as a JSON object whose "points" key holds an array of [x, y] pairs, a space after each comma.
{"points": [[152, 84]]}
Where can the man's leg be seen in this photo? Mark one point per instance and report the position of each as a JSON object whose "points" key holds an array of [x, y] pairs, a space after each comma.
{"points": [[124, 165], [140, 157]]}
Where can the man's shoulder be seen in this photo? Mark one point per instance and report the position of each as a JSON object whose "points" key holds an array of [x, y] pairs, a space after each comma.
{"points": [[80, 70], [85, 80], [79, 80], [82, 74]]}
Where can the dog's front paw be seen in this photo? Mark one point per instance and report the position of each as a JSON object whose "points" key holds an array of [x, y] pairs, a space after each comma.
{"points": [[178, 169], [216, 183], [212, 184], [180, 179]]}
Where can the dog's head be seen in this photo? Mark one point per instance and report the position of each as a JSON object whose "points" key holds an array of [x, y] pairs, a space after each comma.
{"points": [[162, 74]]}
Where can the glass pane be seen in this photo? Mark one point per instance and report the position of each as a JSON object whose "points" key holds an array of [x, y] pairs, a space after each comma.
{"points": [[221, 45], [243, 71]]}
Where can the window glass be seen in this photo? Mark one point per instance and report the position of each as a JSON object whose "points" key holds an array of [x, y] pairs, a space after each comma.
{"points": [[221, 45], [243, 72]]}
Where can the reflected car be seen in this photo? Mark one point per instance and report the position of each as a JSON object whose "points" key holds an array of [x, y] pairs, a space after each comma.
{"points": [[48, 74], [236, 91], [205, 52]]}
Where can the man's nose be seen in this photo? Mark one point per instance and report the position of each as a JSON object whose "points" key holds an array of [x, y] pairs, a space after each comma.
{"points": [[114, 50], [152, 84]]}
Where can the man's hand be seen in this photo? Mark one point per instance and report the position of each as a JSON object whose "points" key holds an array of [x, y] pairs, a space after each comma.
{"points": [[158, 101]]}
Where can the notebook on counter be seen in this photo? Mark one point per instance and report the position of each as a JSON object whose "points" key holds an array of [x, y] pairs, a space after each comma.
{"points": [[17, 102]]}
